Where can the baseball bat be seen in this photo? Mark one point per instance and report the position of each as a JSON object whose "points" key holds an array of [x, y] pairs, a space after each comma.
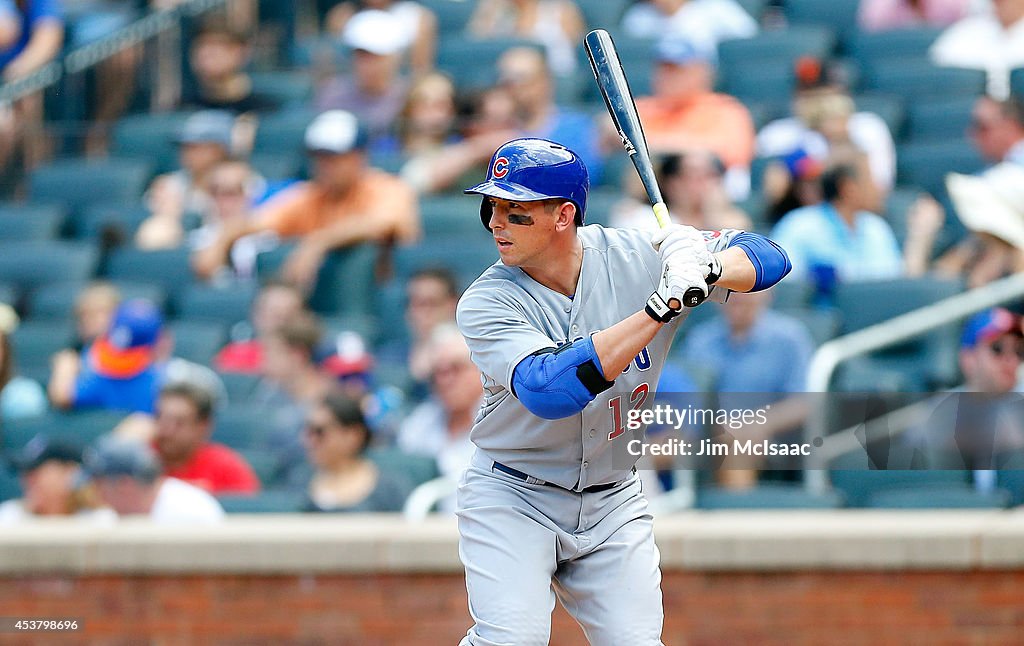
{"points": [[611, 81]]}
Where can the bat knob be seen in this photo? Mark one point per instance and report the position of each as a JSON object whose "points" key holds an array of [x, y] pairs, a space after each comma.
{"points": [[693, 297]]}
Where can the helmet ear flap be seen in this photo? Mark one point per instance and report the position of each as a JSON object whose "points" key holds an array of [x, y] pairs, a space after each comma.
{"points": [[486, 209]]}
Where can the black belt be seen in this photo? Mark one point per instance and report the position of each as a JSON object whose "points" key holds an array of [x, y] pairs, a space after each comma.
{"points": [[516, 473]]}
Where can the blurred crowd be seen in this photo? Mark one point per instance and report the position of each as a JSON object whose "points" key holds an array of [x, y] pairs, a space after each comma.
{"points": [[279, 241]]}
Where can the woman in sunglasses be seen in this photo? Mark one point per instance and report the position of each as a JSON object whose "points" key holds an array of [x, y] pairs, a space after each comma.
{"points": [[336, 437]]}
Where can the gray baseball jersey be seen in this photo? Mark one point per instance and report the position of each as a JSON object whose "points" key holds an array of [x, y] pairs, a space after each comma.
{"points": [[506, 316]]}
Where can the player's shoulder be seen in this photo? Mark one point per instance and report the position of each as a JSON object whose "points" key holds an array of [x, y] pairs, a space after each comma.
{"points": [[497, 283]]}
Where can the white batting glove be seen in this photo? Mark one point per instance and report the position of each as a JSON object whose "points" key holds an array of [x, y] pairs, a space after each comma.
{"points": [[676, 279], [683, 244]]}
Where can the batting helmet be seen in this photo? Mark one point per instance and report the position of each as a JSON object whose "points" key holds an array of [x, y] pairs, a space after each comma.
{"points": [[528, 170]]}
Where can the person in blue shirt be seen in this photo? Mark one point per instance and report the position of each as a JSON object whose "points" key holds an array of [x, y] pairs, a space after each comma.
{"points": [[759, 358], [119, 370], [839, 240]]}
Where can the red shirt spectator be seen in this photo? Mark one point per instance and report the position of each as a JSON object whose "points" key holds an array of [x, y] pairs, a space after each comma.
{"points": [[217, 469]]}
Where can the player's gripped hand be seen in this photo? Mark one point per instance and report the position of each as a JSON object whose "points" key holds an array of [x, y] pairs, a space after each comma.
{"points": [[676, 279], [681, 240]]}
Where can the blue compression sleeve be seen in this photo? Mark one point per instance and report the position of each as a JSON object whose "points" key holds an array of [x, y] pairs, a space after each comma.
{"points": [[559, 382], [770, 261]]}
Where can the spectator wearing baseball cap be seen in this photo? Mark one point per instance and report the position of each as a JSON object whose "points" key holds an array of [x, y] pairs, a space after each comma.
{"points": [[205, 140], [49, 473], [418, 25], [128, 477], [118, 370], [346, 203], [685, 113], [374, 91], [352, 367], [707, 21]]}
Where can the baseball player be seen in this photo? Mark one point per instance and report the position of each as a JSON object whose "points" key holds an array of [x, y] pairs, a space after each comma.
{"points": [[570, 331]]}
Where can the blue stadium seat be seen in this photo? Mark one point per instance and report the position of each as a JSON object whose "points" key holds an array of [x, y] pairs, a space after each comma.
{"points": [[240, 386], [1011, 476], [168, 268], [849, 474], [781, 47], [366, 326], [35, 342], [150, 137], [940, 120], [603, 15], [416, 468], [225, 305], [56, 301], [319, 50], [467, 255], [282, 132], [822, 323], [30, 222], [265, 502], [277, 166], [451, 215], [926, 165], [452, 15], [241, 427], [839, 15], [345, 282], [77, 183], [754, 7], [288, 88], [116, 221], [454, 52], [10, 488], [873, 49], [81, 427], [754, 81], [601, 201], [929, 359], [30, 264], [197, 341], [914, 81], [264, 464], [8, 295], [889, 108], [1017, 82], [767, 496], [939, 497], [389, 303], [897, 204]]}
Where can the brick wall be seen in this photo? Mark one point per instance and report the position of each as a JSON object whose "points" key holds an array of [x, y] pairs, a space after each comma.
{"points": [[791, 608]]}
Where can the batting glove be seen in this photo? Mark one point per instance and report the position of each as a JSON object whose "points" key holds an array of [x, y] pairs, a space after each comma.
{"points": [[684, 244], [675, 280]]}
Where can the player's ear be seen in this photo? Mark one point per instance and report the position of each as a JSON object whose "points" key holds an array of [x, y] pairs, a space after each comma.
{"points": [[565, 216]]}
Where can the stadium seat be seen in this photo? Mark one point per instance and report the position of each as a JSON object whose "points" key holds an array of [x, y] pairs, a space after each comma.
{"points": [[851, 475], [1017, 82], [940, 120], [80, 427], [318, 51], [606, 14], [791, 294], [282, 132], [56, 301], [767, 496], [288, 88], [1011, 476], [451, 215], [9, 486], [389, 303], [600, 203], [838, 15], [822, 323], [277, 166], [929, 358], [889, 108], [875, 49], [364, 325], [8, 295], [78, 183], [168, 268], [754, 7], [914, 81], [345, 283], [30, 222], [454, 52], [452, 15], [225, 305], [939, 497], [30, 264], [240, 386], [780, 47], [418, 469], [265, 502], [150, 137], [466, 255], [926, 165], [115, 222], [264, 464], [197, 341], [755, 81], [241, 427]]}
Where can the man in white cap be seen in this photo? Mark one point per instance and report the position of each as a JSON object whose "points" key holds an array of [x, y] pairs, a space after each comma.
{"points": [[374, 91], [346, 203]]}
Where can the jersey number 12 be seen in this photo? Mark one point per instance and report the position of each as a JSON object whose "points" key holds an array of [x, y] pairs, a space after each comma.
{"points": [[636, 400]]}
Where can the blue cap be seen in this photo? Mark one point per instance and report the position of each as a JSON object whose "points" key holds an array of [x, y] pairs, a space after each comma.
{"points": [[989, 325], [127, 347], [113, 456], [681, 51]]}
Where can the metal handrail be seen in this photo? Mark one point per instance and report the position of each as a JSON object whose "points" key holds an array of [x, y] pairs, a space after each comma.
{"points": [[906, 326]]}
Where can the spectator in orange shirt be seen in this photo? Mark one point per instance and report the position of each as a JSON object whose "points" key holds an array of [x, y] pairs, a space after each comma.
{"points": [[182, 442], [685, 114], [346, 203]]}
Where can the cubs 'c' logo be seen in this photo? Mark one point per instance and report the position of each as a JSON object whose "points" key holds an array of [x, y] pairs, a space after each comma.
{"points": [[500, 168]]}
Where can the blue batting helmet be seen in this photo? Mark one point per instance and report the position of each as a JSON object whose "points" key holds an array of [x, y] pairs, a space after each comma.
{"points": [[528, 170]]}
